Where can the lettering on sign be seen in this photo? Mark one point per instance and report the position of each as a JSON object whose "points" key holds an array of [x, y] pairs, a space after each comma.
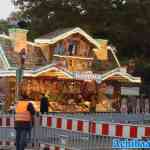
{"points": [[130, 91], [88, 76]]}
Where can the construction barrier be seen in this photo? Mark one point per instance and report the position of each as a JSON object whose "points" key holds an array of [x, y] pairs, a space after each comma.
{"points": [[98, 128], [109, 117], [66, 133]]}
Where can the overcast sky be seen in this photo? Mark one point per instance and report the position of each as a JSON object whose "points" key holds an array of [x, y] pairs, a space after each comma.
{"points": [[6, 8]]}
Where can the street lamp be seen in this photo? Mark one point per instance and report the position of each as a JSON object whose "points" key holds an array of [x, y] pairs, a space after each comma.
{"points": [[19, 72]]}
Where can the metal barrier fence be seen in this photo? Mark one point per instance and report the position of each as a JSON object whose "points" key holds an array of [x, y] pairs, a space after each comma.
{"points": [[77, 141], [67, 133], [7, 132]]}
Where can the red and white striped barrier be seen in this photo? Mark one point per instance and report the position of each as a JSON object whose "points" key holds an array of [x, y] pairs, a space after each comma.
{"points": [[120, 130], [6, 121], [51, 147], [85, 126], [7, 143], [103, 128], [67, 124]]}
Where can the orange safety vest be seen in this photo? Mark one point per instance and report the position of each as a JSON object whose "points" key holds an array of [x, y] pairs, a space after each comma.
{"points": [[22, 114]]}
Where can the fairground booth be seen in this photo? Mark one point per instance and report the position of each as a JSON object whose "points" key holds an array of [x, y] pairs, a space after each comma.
{"points": [[74, 70]]}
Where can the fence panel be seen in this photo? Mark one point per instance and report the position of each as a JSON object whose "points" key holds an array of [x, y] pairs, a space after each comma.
{"points": [[7, 132]]}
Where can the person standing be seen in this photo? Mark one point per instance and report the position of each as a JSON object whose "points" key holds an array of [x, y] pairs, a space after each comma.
{"points": [[72, 47], [25, 112], [44, 104]]}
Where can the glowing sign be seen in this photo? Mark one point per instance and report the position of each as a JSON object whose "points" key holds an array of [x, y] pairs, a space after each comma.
{"points": [[88, 76]]}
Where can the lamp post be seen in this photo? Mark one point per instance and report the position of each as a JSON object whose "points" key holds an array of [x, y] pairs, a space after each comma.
{"points": [[19, 72]]}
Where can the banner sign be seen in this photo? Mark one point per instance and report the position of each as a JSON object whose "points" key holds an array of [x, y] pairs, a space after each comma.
{"points": [[130, 91], [88, 76]]}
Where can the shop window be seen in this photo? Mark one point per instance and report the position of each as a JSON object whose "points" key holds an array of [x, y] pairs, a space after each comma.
{"points": [[59, 49]]}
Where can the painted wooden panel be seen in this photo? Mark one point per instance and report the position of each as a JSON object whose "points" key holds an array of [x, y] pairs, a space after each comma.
{"points": [[19, 37], [102, 52], [82, 45], [45, 50]]}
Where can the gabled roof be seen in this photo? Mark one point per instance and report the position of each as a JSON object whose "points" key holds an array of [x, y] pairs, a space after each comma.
{"points": [[57, 35]]}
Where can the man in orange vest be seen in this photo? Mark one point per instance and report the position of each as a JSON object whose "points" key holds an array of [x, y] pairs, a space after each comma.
{"points": [[23, 121]]}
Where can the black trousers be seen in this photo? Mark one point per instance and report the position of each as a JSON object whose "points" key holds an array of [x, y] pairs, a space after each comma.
{"points": [[21, 137]]}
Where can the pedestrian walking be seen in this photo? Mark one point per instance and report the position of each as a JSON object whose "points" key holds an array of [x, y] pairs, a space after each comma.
{"points": [[24, 121], [44, 104]]}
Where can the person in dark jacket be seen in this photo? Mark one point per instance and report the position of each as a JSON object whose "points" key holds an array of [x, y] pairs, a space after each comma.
{"points": [[44, 104]]}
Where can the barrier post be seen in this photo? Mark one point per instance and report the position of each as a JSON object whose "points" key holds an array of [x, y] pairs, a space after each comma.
{"points": [[35, 132]]}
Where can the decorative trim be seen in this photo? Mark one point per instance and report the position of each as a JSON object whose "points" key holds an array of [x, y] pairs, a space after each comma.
{"points": [[4, 59], [5, 36], [114, 55], [74, 57], [37, 72], [17, 29], [33, 44], [64, 35], [34, 73], [118, 71]]}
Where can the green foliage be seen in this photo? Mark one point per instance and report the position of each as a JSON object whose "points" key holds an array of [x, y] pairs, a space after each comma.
{"points": [[4, 26]]}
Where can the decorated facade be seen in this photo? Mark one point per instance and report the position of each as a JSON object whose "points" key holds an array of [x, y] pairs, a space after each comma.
{"points": [[74, 70]]}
